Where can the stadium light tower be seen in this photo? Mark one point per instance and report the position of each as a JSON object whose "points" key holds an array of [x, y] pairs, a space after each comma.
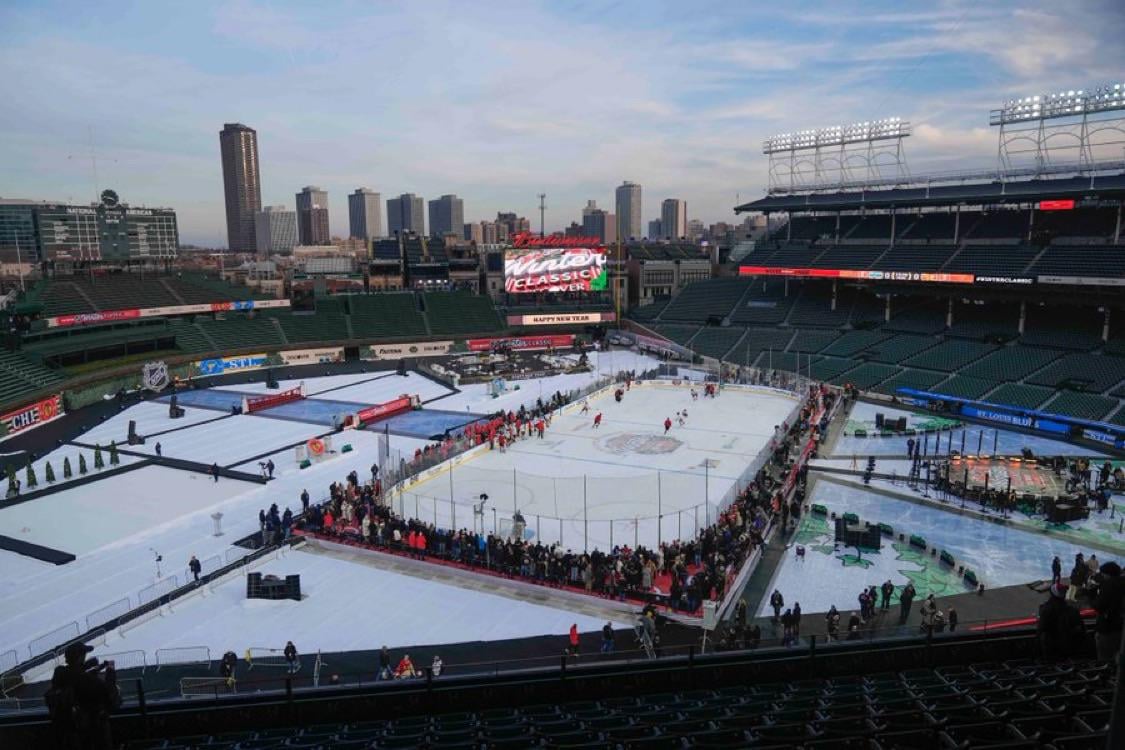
{"points": [[1079, 129], [838, 156]]}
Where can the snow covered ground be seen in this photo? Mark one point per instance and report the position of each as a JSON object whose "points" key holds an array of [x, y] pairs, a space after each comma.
{"points": [[172, 517], [383, 608], [575, 480]]}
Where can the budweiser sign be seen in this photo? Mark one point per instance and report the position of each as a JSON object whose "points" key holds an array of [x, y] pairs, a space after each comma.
{"points": [[571, 269], [527, 239]]}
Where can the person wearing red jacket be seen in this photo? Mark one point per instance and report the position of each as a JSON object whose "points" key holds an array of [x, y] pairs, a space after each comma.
{"points": [[574, 640]]}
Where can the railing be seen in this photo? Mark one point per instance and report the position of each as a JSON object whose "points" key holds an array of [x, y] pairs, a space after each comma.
{"points": [[157, 590], [108, 612], [184, 655], [48, 641]]}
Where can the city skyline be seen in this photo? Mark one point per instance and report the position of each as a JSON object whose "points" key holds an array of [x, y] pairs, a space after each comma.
{"points": [[682, 107]]}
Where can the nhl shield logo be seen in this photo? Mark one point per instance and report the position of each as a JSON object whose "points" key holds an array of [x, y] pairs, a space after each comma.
{"points": [[155, 376]]}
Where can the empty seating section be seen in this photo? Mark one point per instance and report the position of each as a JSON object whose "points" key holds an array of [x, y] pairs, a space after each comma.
{"points": [[949, 355], [1099, 261], [789, 361], [922, 380], [19, 375], [1001, 224], [849, 256], [121, 291], [1081, 222], [985, 322], [63, 298], [1006, 704], [868, 311], [198, 288], [873, 227], [327, 324], [790, 255], [827, 368], [716, 342], [914, 258], [239, 331], [989, 260], [759, 341], [866, 376], [812, 341], [649, 312], [1115, 347], [930, 226], [1087, 372], [1018, 394], [965, 387], [1009, 363], [898, 348], [705, 299], [807, 228], [927, 318], [1062, 327], [460, 312], [1081, 405], [678, 333], [386, 315], [764, 304], [1118, 417], [815, 309], [853, 342], [190, 338]]}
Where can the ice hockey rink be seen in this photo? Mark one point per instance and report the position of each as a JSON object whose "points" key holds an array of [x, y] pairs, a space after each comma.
{"points": [[571, 484]]}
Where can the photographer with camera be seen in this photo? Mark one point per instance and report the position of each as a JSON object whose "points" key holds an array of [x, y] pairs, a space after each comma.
{"points": [[82, 695]]}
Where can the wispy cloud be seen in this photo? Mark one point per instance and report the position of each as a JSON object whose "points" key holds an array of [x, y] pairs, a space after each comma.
{"points": [[500, 101]]}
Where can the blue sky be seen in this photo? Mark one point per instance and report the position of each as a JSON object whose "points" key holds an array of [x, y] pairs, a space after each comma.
{"points": [[499, 101]]}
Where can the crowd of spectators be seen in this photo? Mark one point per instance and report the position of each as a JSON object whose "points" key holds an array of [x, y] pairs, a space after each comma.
{"points": [[689, 570]]}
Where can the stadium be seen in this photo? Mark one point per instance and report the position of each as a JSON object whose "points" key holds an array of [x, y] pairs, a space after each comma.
{"points": [[551, 516]]}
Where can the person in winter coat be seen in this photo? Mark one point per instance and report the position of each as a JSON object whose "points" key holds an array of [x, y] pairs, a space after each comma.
{"points": [[607, 638], [385, 672], [195, 567], [1060, 628], [796, 619], [888, 591], [1109, 604], [291, 657], [405, 669], [777, 601], [906, 598], [1056, 570], [573, 639]]}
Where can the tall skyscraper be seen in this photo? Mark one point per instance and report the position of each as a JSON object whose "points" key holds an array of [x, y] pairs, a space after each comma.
{"points": [[312, 216], [275, 231], [673, 218], [404, 214], [628, 210], [654, 232], [599, 223], [447, 216], [242, 185], [365, 215]]}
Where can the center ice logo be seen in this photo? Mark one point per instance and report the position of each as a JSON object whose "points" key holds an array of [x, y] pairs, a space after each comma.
{"points": [[640, 442]]}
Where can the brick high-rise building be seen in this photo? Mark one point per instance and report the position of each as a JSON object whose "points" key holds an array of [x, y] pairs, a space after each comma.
{"points": [[242, 185]]}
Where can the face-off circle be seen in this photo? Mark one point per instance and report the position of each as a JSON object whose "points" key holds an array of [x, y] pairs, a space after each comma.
{"points": [[643, 443]]}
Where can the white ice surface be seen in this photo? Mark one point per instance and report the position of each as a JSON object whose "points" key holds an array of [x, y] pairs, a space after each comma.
{"points": [[312, 384], [230, 441], [14, 568], [382, 608], [572, 483]]}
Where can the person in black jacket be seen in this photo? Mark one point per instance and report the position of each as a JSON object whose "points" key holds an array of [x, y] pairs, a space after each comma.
{"points": [[80, 699], [1060, 628], [291, 657], [195, 567], [1111, 599]]}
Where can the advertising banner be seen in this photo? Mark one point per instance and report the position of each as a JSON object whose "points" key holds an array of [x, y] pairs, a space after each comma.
{"points": [[530, 270], [220, 365], [1100, 436], [523, 343], [252, 404], [1081, 280], [29, 417], [845, 273], [312, 356], [398, 351], [562, 319], [1015, 420], [114, 316], [372, 413]]}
